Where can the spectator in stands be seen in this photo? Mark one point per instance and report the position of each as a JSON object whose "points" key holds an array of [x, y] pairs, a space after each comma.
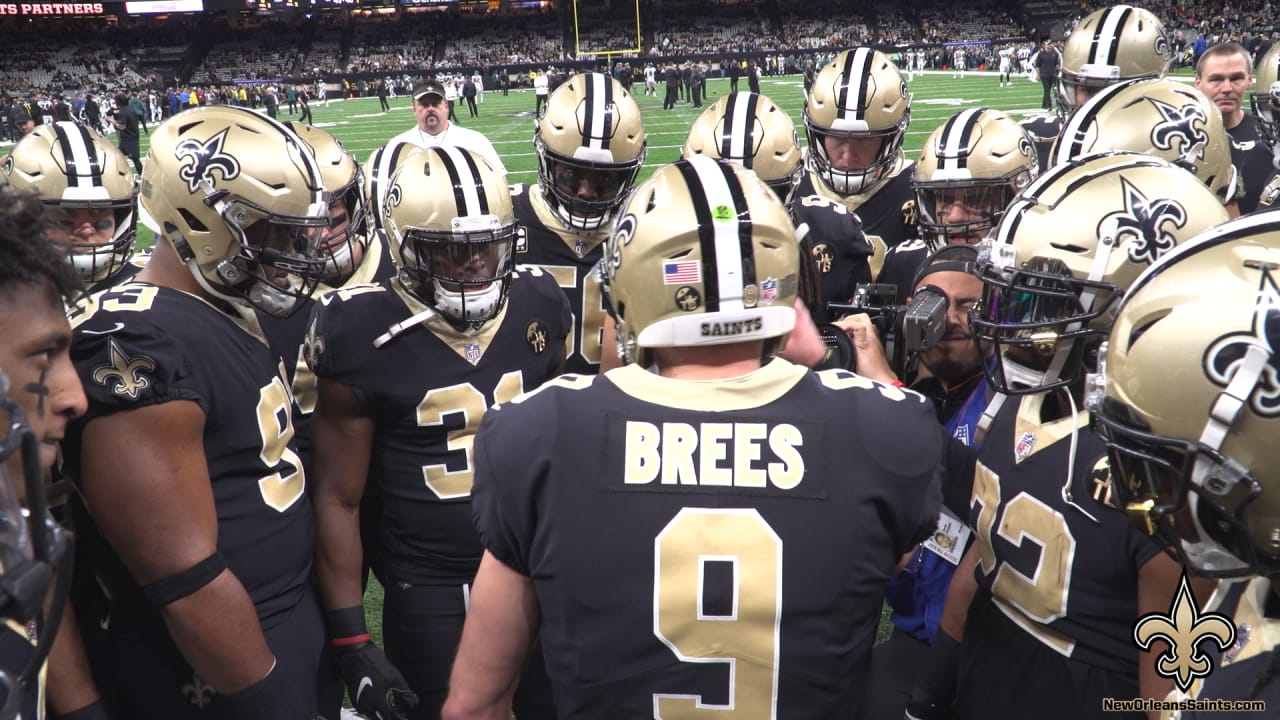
{"points": [[434, 129]]}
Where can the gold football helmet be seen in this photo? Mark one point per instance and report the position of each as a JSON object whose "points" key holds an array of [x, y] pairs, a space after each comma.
{"points": [[1064, 253], [241, 198], [1109, 46], [857, 96], [1165, 118], [381, 164], [751, 130], [970, 169], [345, 239], [1187, 396], [1265, 98], [452, 231], [703, 253], [81, 178], [590, 141]]}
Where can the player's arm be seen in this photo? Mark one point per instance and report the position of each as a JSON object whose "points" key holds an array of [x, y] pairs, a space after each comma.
{"points": [[501, 622], [1158, 582], [935, 687], [70, 686], [804, 344], [609, 345], [147, 485], [342, 435]]}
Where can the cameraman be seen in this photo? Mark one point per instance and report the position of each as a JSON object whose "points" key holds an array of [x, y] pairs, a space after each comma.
{"points": [[949, 372]]}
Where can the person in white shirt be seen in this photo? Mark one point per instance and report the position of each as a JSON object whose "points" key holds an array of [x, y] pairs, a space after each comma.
{"points": [[451, 96], [478, 79], [650, 80], [539, 92], [1006, 66], [434, 129]]}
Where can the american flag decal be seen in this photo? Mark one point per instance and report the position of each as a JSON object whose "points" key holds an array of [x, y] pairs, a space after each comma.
{"points": [[680, 273]]}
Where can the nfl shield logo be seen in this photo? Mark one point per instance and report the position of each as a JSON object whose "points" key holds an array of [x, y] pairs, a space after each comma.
{"points": [[1025, 444], [472, 352], [768, 290]]}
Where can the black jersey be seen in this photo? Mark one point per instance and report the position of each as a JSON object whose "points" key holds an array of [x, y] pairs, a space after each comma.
{"points": [[1247, 670], [901, 264], [1252, 159], [287, 336], [1060, 564], [1044, 130], [569, 257], [729, 541], [886, 212], [137, 345], [427, 389]]}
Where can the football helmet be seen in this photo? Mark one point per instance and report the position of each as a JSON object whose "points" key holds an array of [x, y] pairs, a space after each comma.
{"points": [[591, 142], [751, 130], [344, 182], [72, 167], [859, 96], [1112, 45], [32, 547], [1064, 253], [381, 164], [1165, 118], [1265, 99], [1187, 397], [241, 198], [703, 253], [970, 169], [452, 231]]}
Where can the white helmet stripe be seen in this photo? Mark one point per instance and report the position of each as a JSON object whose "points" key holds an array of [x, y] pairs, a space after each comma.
{"points": [[598, 99], [739, 127], [955, 139], [1106, 40], [468, 189], [83, 166], [719, 210], [852, 98]]}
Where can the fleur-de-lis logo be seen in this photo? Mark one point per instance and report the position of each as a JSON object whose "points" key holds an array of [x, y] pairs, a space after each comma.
{"points": [[199, 692], [1229, 353], [205, 157], [1184, 124], [126, 371], [312, 346], [1145, 223], [1184, 628]]}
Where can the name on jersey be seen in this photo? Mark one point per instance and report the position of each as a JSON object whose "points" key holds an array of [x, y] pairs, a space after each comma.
{"points": [[755, 455], [731, 328]]}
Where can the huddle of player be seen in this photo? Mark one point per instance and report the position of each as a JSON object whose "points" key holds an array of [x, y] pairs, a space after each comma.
{"points": [[326, 367]]}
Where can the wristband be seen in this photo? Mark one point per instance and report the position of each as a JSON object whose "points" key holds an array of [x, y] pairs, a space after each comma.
{"points": [[898, 383], [346, 626]]}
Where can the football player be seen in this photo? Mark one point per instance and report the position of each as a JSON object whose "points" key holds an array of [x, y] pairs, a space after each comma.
{"points": [[89, 194], [407, 368], [1163, 118], [1265, 101], [970, 169], [40, 394], [1108, 46], [855, 119], [185, 458], [1056, 625], [1194, 467], [705, 598], [590, 143]]}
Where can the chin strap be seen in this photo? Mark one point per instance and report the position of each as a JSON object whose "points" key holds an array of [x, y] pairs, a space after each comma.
{"points": [[1071, 457], [398, 328]]}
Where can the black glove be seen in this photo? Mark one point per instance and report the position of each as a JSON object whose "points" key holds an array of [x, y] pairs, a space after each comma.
{"points": [[376, 687], [934, 693]]}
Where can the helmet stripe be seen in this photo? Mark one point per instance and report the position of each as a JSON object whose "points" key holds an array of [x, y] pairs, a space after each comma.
{"points": [[385, 161], [956, 137], [738, 138], [469, 195], [597, 116], [724, 237], [1106, 38], [83, 166], [857, 68], [1071, 140]]}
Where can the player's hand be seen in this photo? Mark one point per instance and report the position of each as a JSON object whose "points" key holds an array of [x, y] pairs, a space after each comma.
{"points": [[376, 687], [870, 360]]}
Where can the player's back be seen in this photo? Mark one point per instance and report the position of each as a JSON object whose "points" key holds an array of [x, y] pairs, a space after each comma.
{"points": [[722, 543]]}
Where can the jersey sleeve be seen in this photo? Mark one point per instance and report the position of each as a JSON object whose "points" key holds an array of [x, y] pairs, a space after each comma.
{"points": [[132, 366], [332, 348], [510, 467]]}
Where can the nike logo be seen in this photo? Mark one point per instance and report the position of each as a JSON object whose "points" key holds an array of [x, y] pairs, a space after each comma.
{"points": [[118, 326], [365, 682]]}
